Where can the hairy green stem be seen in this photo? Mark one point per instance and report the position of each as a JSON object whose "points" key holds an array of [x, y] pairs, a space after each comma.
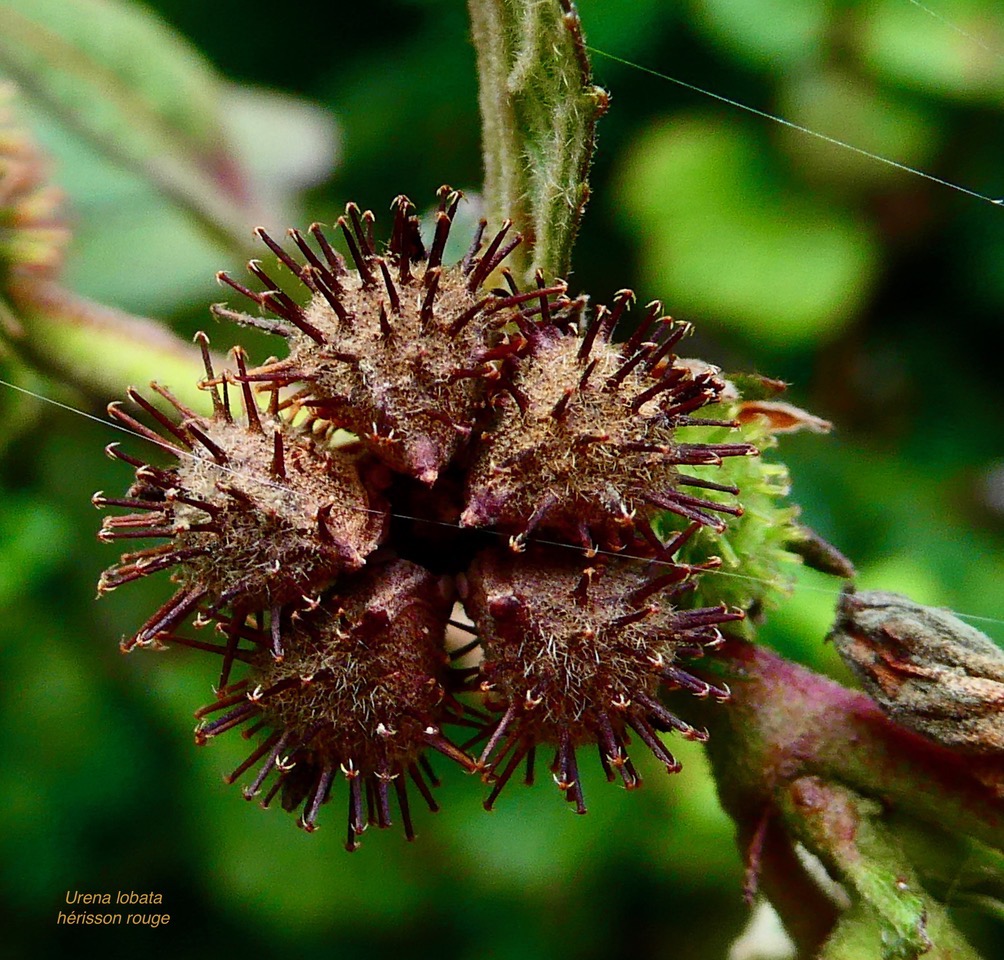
{"points": [[539, 112], [791, 738], [891, 916]]}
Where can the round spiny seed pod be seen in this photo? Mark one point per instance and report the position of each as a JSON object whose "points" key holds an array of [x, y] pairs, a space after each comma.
{"points": [[576, 655], [360, 693], [587, 443], [255, 514], [399, 349]]}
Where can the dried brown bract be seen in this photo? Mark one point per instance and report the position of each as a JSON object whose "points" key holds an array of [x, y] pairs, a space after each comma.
{"points": [[926, 668]]}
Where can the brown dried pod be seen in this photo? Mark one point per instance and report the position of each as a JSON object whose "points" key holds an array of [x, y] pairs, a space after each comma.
{"points": [[587, 442], [576, 655], [396, 348], [925, 668], [255, 515], [360, 693]]}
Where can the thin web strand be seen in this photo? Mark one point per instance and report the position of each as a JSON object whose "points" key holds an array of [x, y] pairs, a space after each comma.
{"points": [[194, 457], [957, 29], [806, 587], [791, 125]]}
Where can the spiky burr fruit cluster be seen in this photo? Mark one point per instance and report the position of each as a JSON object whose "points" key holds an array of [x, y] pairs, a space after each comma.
{"points": [[420, 401], [586, 444], [255, 514], [360, 692], [576, 656]]}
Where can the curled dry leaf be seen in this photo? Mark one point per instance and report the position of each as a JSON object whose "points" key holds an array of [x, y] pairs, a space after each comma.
{"points": [[782, 417]]}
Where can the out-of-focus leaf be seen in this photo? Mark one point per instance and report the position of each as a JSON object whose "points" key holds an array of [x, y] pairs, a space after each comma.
{"points": [[841, 105], [610, 30], [143, 257], [118, 76], [778, 33], [286, 144], [721, 240], [133, 247], [21, 412], [102, 350], [957, 57], [33, 534]]}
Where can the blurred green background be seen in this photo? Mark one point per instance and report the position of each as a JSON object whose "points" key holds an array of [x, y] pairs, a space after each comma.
{"points": [[876, 294]]}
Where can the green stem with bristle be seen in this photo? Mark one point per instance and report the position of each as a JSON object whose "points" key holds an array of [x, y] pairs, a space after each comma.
{"points": [[799, 757], [539, 111], [891, 915]]}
